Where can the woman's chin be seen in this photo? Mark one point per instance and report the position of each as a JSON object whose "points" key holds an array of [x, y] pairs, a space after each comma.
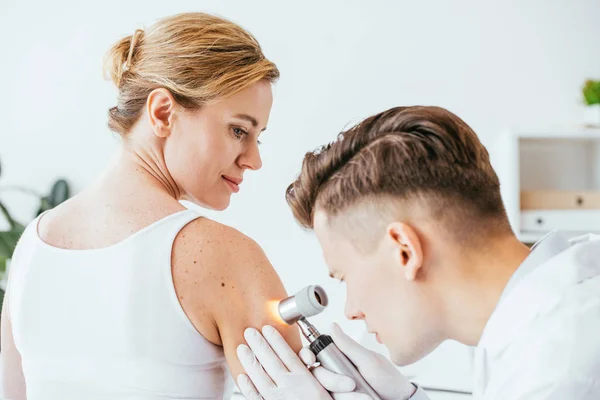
{"points": [[220, 204], [212, 204]]}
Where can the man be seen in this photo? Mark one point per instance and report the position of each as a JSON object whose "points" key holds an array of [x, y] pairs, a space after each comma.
{"points": [[408, 212]]}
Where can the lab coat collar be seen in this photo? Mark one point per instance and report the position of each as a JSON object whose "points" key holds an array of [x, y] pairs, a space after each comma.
{"points": [[549, 246], [548, 270]]}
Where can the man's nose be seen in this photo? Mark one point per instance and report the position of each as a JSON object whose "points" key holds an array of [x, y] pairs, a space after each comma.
{"points": [[352, 311]]}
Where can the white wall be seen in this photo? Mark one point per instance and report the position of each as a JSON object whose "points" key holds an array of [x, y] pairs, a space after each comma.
{"points": [[495, 63]]}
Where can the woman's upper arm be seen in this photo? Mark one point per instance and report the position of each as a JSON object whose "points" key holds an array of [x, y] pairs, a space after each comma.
{"points": [[13, 381], [249, 290], [226, 284]]}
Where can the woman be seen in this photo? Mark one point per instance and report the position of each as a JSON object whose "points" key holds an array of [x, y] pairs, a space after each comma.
{"points": [[121, 292]]}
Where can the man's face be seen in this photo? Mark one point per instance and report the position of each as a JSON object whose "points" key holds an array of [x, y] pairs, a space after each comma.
{"points": [[394, 306]]}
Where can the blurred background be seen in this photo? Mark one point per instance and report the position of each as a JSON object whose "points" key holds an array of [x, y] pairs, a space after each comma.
{"points": [[514, 70]]}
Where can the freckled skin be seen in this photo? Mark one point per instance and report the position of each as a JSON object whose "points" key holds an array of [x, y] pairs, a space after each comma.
{"points": [[216, 272]]}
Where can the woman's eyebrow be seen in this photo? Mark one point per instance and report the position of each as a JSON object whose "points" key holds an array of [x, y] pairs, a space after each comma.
{"points": [[250, 119]]}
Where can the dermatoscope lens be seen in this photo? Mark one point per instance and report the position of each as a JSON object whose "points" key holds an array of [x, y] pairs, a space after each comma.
{"points": [[309, 301]]}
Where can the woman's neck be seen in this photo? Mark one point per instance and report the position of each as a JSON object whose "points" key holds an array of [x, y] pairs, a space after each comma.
{"points": [[139, 170]]}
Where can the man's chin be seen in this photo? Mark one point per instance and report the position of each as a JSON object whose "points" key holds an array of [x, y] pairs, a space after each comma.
{"points": [[402, 359]]}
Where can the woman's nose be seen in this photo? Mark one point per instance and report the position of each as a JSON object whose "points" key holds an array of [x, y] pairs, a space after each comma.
{"points": [[251, 159]]}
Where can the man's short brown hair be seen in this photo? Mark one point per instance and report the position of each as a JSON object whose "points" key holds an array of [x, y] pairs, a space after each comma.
{"points": [[405, 153]]}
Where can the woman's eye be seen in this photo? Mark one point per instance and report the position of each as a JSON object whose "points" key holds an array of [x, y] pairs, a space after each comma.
{"points": [[239, 133]]}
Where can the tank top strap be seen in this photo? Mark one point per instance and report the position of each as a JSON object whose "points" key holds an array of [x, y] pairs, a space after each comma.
{"points": [[177, 222]]}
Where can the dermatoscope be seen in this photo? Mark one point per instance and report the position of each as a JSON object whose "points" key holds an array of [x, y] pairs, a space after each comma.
{"points": [[308, 302]]}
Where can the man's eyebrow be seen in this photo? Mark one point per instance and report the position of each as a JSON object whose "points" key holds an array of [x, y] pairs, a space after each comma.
{"points": [[248, 118]]}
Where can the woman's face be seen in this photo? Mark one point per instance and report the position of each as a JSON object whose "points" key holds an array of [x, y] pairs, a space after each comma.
{"points": [[208, 150]]}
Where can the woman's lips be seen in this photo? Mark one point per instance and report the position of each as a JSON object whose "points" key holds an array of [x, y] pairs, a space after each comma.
{"points": [[234, 183]]}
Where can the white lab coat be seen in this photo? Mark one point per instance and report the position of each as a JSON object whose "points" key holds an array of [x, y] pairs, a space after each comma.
{"points": [[543, 339]]}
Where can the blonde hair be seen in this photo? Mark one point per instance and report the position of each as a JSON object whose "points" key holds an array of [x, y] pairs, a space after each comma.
{"points": [[198, 57]]}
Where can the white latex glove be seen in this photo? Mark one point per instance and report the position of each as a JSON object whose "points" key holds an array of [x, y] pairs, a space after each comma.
{"points": [[377, 370], [276, 373]]}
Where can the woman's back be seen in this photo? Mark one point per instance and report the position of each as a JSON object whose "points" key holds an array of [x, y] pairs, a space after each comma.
{"points": [[106, 322]]}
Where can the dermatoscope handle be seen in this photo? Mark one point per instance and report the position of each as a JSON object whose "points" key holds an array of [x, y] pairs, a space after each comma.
{"points": [[334, 360]]}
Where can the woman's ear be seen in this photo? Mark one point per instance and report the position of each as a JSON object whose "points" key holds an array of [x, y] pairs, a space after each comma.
{"points": [[160, 106], [407, 248]]}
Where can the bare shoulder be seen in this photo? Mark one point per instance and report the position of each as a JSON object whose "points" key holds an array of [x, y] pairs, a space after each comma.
{"points": [[212, 242], [223, 279]]}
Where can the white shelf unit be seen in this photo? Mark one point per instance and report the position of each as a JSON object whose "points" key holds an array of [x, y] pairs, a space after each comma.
{"points": [[565, 159]]}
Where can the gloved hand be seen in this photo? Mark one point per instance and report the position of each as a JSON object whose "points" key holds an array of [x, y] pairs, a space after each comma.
{"points": [[377, 370], [276, 373]]}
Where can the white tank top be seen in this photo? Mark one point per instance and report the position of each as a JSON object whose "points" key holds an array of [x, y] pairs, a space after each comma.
{"points": [[106, 323]]}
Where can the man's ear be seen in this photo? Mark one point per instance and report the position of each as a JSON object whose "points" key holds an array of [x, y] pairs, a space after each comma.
{"points": [[160, 107], [407, 248]]}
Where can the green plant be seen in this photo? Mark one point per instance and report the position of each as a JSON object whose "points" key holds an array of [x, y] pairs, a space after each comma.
{"points": [[8, 239], [591, 92]]}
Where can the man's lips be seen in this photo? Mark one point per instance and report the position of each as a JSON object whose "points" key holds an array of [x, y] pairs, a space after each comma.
{"points": [[376, 335]]}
